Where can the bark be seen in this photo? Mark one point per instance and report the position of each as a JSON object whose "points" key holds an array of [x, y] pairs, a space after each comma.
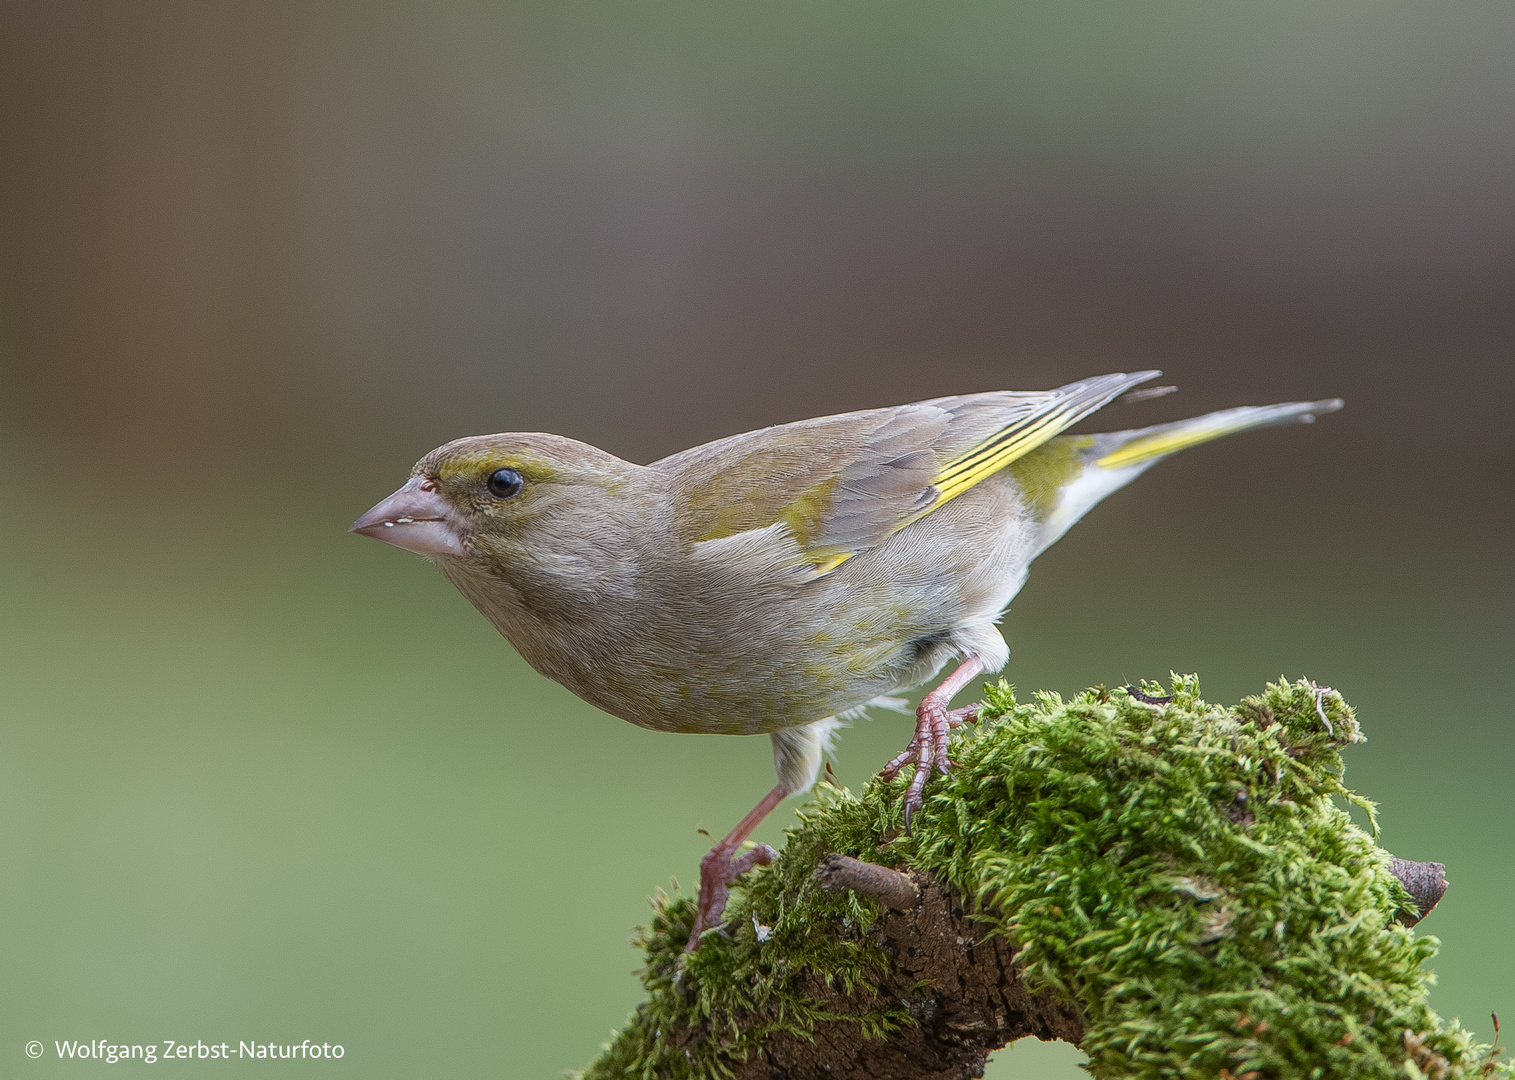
{"points": [[1426, 882], [962, 986]]}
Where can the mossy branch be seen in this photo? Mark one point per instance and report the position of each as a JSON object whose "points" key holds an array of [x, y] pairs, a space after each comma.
{"points": [[1170, 885]]}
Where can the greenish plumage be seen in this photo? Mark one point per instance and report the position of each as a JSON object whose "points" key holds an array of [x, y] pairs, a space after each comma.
{"points": [[772, 581]]}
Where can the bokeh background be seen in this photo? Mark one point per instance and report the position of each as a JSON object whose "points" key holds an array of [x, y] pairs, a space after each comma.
{"points": [[260, 779]]}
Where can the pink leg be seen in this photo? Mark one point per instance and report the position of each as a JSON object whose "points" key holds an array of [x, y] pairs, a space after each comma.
{"points": [[721, 867], [933, 726]]}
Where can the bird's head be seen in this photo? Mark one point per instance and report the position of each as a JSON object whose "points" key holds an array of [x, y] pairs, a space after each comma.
{"points": [[496, 498]]}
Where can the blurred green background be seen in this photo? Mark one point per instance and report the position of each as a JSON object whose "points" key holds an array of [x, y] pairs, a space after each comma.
{"points": [[260, 779]]}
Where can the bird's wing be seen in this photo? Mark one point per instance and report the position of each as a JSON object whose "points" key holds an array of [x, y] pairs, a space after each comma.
{"points": [[840, 484]]}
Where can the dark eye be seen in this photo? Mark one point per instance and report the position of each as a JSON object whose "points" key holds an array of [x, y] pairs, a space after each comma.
{"points": [[505, 483]]}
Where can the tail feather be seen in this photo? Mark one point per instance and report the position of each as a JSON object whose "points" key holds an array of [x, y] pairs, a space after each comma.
{"points": [[1149, 444], [1112, 460]]}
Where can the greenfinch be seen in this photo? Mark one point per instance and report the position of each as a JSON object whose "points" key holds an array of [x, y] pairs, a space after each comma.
{"points": [[780, 581]]}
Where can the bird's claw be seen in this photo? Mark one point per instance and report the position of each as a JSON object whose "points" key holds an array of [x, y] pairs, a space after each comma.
{"points": [[718, 870], [927, 750]]}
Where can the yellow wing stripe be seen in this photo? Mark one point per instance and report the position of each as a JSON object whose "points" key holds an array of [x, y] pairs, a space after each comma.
{"points": [[1168, 442], [980, 463], [989, 447], [992, 455], [830, 564], [986, 459]]}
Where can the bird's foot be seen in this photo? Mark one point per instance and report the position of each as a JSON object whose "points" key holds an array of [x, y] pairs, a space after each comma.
{"points": [[933, 729], [928, 748], [717, 872]]}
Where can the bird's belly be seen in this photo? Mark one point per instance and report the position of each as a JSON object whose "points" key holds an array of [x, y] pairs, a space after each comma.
{"points": [[712, 695], [786, 674]]}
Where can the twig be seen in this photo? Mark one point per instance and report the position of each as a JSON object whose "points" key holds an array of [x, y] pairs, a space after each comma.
{"points": [[889, 887]]}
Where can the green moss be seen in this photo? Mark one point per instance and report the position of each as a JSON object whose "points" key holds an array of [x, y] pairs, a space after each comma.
{"points": [[1183, 872]]}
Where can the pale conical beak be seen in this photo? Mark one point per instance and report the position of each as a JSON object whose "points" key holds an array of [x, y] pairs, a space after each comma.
{"points": [[415, 518]]}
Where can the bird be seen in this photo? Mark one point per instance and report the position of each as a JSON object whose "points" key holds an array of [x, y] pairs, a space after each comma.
{"points": [[780, 581]]}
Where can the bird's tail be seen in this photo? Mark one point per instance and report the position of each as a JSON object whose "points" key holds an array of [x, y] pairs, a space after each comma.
{"points": [[1122, 449], [1112, 460]]}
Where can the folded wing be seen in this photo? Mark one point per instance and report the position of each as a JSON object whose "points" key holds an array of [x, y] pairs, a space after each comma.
{"points": [[841, 484]]}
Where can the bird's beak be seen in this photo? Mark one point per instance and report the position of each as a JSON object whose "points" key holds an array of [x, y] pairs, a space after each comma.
{"points": [[415, 518]]}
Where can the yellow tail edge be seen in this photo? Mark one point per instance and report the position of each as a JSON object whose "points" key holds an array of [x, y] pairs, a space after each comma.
{"points": [[1171, 438]]}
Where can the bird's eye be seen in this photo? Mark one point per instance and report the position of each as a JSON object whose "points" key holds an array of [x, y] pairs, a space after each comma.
{"points": [[505, 483]]}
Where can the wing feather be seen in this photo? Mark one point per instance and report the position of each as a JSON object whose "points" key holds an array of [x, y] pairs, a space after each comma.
{"points": [[844, 483]]}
